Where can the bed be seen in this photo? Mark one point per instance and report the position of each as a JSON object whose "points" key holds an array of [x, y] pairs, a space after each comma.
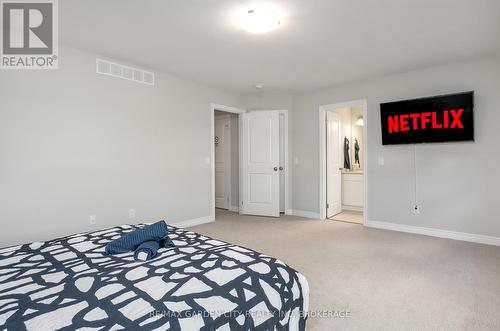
{"points": [[200, 284]]}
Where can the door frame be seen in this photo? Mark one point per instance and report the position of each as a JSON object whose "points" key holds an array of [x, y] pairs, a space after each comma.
{"points": [[283, 112], [228, 109], [322, 153]]}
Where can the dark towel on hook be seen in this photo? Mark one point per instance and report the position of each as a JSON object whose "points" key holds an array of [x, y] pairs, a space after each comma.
{"points": [[356, 152], [157, 232], [347, 160]]}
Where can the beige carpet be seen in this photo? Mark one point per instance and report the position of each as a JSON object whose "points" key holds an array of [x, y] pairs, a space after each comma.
{"points": [[387, 280], [348, 216]]}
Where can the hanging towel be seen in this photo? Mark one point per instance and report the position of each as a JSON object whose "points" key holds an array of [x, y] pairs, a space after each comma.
{"points": [[356, 153], [347, 160], [157, 231], [147, 250]]}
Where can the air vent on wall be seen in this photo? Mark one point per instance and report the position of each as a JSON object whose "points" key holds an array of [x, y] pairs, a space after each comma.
{"points": [[125, 72]]}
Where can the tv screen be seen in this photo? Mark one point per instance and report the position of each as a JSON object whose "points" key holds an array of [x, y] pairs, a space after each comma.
{"points": [[427, 120]]}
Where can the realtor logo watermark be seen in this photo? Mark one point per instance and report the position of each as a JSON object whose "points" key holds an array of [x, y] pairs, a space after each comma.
{"points": [[29, 34]]}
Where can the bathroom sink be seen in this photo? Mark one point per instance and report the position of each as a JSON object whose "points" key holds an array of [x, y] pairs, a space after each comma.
{"points": [[358, 172]]}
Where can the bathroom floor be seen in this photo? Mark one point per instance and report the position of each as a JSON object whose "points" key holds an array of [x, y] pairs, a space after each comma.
{"points": [[349, 216]]}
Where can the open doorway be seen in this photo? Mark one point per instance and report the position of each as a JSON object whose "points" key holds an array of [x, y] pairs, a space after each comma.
{"points": [[226, 160], [343, 162], [250, 161], [225, 152]]}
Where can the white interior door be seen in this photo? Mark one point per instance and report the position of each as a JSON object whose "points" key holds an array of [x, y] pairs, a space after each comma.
{"points": [[260, 175], [333, 162], [282, 163], [222, 168]]}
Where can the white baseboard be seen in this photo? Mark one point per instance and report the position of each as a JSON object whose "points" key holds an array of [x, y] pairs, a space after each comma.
{"points": [[303, 213], [193, 222], [476, 238], [352, 208], [234, 209]]}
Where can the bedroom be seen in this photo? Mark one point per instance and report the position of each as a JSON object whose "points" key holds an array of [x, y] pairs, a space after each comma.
{"points": [[117, 131]]}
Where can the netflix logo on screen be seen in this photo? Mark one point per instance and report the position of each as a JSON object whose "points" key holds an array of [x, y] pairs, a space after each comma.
{"points": [[435, 119]]}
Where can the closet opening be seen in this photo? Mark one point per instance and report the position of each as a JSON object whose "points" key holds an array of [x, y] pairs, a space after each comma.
{"points": [[226, 160]]}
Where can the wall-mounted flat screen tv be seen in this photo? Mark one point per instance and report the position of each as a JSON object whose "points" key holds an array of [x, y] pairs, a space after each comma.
{"points": [[428, 120]]}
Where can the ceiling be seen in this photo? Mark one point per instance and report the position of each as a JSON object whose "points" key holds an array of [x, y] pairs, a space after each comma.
{"points": [[320, 43]]}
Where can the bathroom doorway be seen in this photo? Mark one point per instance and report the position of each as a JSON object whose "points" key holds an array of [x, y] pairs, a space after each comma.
{"points": [[342, 156]]}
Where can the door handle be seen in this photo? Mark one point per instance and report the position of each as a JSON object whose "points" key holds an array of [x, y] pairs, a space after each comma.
{"points": [[275, 168], [281, 168]]}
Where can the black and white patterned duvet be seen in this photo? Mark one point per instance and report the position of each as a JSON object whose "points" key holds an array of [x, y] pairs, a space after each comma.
{"points": [[201, 284]]}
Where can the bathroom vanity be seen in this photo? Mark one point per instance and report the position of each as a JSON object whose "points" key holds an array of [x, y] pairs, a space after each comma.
{"points": [[352, 190]]}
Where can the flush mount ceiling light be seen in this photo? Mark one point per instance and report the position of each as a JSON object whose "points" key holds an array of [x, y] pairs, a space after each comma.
{"points": [[360, 121], [258, 18]]}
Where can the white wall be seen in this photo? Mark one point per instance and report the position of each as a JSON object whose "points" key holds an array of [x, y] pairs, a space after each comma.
{"points": [[458, 182], [269, 101], [74, 143]]}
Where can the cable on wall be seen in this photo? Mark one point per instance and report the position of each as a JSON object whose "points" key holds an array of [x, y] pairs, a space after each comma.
{"points": [[416, 173]]}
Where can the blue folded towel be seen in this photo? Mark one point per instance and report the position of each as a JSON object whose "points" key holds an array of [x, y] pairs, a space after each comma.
{"points": [[149, 248], [166, 242], [129, 242]]}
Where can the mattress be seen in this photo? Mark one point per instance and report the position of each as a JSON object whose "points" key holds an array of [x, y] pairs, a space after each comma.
{"points": [[200, 284]]}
